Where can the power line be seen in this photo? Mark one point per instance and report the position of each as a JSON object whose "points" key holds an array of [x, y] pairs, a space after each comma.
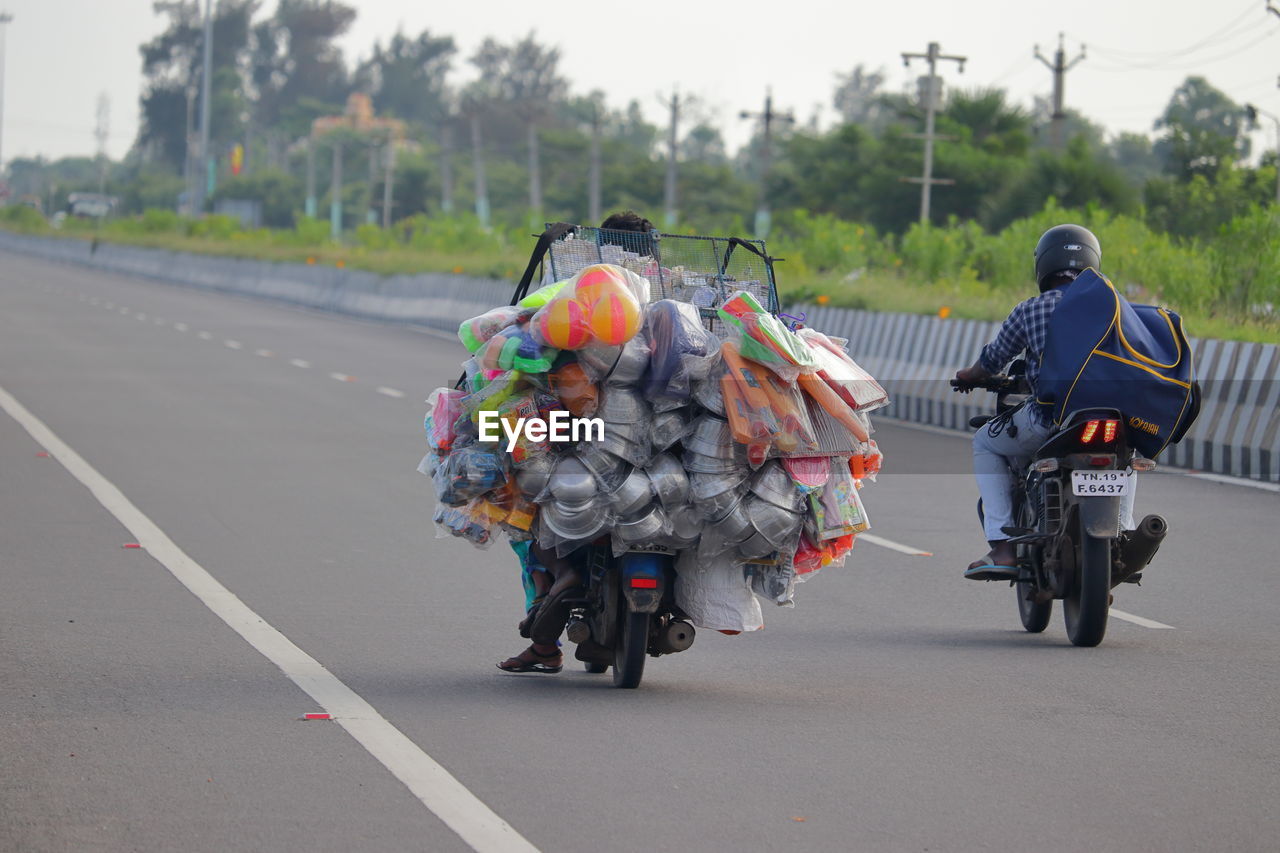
{"points": [[1229, 30]]}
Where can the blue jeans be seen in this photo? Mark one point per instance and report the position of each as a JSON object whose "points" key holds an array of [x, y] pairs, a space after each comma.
{"points": [[992, 455]]}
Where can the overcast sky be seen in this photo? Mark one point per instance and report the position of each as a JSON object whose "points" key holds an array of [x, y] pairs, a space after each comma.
{"points": [[62, 54]]}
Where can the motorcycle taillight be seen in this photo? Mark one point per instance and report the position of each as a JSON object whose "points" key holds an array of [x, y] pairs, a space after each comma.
{"points": [[1090, 432]]}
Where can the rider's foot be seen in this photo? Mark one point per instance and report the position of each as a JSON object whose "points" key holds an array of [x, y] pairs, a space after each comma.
{"points": [[536, 658], [1000, 563]]}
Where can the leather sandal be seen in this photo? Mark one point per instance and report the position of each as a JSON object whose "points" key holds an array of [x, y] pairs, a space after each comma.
{"points": [[531, 661]]}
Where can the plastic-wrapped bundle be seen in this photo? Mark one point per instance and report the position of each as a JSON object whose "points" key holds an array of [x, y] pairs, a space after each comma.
{"points": [[682, 350], [469, 472], [764, 338], [444, 409], [474, 333], [715, 594], [837, 510], [775, 583], [602, 304], [836, 367], [476, 521]]}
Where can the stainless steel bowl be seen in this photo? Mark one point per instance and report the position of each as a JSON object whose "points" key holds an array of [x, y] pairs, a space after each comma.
{"points": [[571, 482], [670, 482], [631, 363], [735, 525], [685, 523], [581, 524], [697, 463], [648, 527], [716, 506], [532, 476], [711, 437], [637, 453], [755, 547], [608, 469], [704, 486], [633, 495], [668, 428], [708, 395], [620, 405], [774, 484], [772, 522]]}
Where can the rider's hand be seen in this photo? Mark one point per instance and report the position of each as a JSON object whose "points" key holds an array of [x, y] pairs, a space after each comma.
{"points": [[971, 375]]}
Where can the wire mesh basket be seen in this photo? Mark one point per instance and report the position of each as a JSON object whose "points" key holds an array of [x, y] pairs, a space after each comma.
{"points": [[703, 271]]}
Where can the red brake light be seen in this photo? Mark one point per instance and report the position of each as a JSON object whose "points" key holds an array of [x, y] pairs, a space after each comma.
{"points": [[1109, 431], [1089, 431], [644, 583]]}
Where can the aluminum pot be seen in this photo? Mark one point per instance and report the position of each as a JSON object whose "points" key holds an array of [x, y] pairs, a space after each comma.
{"points": [[709, 396], [646, 528], [608, 469], [621, 406], [755, 547], [685, 523], [668, 428], [704, 486], [717, 505], [773, 484], [735, 525], [633, 451], [772, 522], [532, 475], [699, 464], [633, 495], [571, 482], [670, 482], [585, 523], [631, 363]]}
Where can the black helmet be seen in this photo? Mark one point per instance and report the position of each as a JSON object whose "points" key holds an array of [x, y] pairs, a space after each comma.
{"points": [[1066, 248]]}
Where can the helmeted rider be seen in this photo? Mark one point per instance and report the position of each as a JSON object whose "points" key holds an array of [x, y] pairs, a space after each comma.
{"points": [[1062, 253]]}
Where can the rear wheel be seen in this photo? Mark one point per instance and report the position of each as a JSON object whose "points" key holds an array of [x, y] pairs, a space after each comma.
{"points": [[1089, 598], [629, 649], [1034, 615]]}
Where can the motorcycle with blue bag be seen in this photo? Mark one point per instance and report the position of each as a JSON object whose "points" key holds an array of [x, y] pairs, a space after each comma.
{"points": [[1069, 541], [626, 612]]}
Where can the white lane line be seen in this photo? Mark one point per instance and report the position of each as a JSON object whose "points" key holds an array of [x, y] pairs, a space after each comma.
{"points": [[141, 316], [892, 546], [474, 822], [206, 336], [300, 362], [181, 327], [342, 377], [264, 353], [232, 344], [390, 392], [1139, 620]]}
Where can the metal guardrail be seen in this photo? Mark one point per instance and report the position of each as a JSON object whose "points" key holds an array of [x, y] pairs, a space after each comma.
{"points": [[1238, 432]]}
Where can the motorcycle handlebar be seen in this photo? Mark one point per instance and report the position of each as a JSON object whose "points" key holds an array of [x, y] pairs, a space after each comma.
{"points": [[999, 384]]}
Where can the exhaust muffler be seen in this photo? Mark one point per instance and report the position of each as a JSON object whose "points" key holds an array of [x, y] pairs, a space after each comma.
{"points": [[1139, 547]]}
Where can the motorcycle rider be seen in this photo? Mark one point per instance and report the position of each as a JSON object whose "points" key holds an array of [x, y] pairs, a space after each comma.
{"points": [[550, 580], [1061, 254]]}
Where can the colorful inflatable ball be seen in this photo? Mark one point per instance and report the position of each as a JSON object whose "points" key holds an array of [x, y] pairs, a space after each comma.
{"points": [[563, 324], [615, 318]]}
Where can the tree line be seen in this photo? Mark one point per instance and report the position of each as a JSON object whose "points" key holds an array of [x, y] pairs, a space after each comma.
{"points": [[522, 123]]}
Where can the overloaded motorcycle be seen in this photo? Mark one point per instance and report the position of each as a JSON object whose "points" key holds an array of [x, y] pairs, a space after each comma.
{"points": [[1069, 541], [625, 612]]}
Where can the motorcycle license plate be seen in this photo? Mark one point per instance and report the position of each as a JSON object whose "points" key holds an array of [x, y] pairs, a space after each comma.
{"points": [[1102, 482]]}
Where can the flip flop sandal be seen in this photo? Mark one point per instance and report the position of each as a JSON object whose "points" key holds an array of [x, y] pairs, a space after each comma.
{"points": [[991, 572], [530, 661]]}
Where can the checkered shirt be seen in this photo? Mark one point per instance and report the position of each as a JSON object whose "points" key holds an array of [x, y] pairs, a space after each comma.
{"points": [[1023, 333]]}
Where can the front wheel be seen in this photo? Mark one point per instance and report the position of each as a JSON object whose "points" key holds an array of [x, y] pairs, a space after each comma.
{"points": [[1089, 598], [630, 647]]}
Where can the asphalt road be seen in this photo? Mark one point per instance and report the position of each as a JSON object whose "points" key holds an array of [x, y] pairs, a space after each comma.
{"points": [[897, 707]]}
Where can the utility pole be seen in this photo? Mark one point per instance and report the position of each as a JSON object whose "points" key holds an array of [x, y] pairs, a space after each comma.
{"points": [[389, 179], [335, 193], [446, 165], [100, 133], [669, 193], [482, 185], [189, 162], [768, 117], [932, 94], [5, 18], [370, 208], [1059, 67], [593, 169], [310, 208], [1253, 113], [205, 187]]}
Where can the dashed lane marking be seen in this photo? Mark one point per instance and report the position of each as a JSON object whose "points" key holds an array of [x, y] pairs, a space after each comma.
{"points": [[342, 377], [233, 344], [1139, 620], [300, 362], [390, 392], [893, 546]]}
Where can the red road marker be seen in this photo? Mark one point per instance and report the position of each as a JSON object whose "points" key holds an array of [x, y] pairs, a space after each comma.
{"points": [[316, 717], [42, 455], [131, 545]]}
